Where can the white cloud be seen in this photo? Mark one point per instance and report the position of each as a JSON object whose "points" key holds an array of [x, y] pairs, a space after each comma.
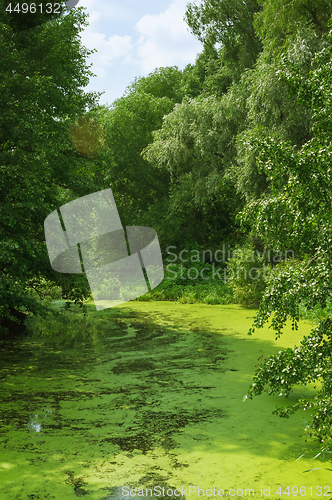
{"points": [[165, 40], [107, 10], [131, 43], [107, 49], [103, 16]]}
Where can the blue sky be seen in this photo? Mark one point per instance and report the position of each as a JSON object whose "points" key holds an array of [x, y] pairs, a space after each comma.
{"points": [[133, 38]]}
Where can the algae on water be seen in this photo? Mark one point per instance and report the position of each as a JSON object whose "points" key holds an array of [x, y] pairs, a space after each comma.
{"points": [[150, 397]]}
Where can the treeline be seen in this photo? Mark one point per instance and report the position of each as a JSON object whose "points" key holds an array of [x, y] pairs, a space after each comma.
{"points": [[234, 148]]}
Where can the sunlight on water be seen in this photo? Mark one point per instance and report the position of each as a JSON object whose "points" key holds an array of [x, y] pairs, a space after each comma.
{"points": [[143, 397]]}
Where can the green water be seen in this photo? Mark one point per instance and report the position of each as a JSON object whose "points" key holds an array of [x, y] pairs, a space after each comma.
{"points": [[152, 397]]}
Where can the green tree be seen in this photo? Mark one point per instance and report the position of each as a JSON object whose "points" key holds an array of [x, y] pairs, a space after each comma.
{"points": [[297, 213], [279, 21], [280, 162], [43, 73], [209, 75], [140, 190], [194, 146], [230, 24], [163, 82]]}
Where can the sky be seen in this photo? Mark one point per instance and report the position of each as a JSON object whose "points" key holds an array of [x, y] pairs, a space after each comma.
{"points": [[133, 38]]}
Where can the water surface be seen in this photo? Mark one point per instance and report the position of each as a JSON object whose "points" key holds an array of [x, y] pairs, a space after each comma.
{"points": [[152, 396]]}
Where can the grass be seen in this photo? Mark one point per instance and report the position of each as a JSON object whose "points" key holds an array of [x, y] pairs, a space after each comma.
{"points": [[205, 293]]}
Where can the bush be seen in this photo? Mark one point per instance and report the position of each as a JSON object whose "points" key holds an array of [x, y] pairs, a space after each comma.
{"points": [[43, 289], [248, 273], [186, 290]]}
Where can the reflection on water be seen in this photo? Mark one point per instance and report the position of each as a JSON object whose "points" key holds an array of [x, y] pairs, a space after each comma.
{"points": [[139, 398], [35, 424]]}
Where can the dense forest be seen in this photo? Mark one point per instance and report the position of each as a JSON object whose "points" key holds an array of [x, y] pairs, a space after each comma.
{"points": [[234, 152]]}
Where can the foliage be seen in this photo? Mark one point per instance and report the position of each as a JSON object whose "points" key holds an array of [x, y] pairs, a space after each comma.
{"points": [[317, 312], [188, 293], [296, 212], [43, 289], [64, 326], [248, 272], [130, 123], [229, 23], [163, 82], [309, 362], [43, 71], [194, 146], [303, 283], [194, 272], [208, 76], [279, 21]]}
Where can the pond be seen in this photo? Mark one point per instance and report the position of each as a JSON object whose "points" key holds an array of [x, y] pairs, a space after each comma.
{"points": [[150, 402]]}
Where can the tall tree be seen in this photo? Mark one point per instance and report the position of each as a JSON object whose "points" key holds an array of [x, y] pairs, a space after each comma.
{"points": [[282, 167], [280, 21], [195, 145], [295, 212], [43, 73], [139, 188], [230, 24], [209, 75]]}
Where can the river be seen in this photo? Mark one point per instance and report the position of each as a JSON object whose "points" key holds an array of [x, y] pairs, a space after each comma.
{"points": [[149, 399]]}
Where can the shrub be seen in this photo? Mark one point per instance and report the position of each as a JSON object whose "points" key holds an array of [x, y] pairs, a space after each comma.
{"points": [[43, 289], [248, 272]]}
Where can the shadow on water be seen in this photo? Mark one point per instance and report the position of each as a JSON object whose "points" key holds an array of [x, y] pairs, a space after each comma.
{"points": [[86, 409]]}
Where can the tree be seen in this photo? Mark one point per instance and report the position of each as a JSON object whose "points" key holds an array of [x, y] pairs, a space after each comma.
{"points": [[208, 76], [229, 23], [279, 22], [139, 189], [297, 212], [281, 164], [43, 72], [163, 82], [195, 145]]}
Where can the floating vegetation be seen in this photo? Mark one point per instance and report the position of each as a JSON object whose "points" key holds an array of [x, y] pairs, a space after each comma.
{"points": [[144, 396]]}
